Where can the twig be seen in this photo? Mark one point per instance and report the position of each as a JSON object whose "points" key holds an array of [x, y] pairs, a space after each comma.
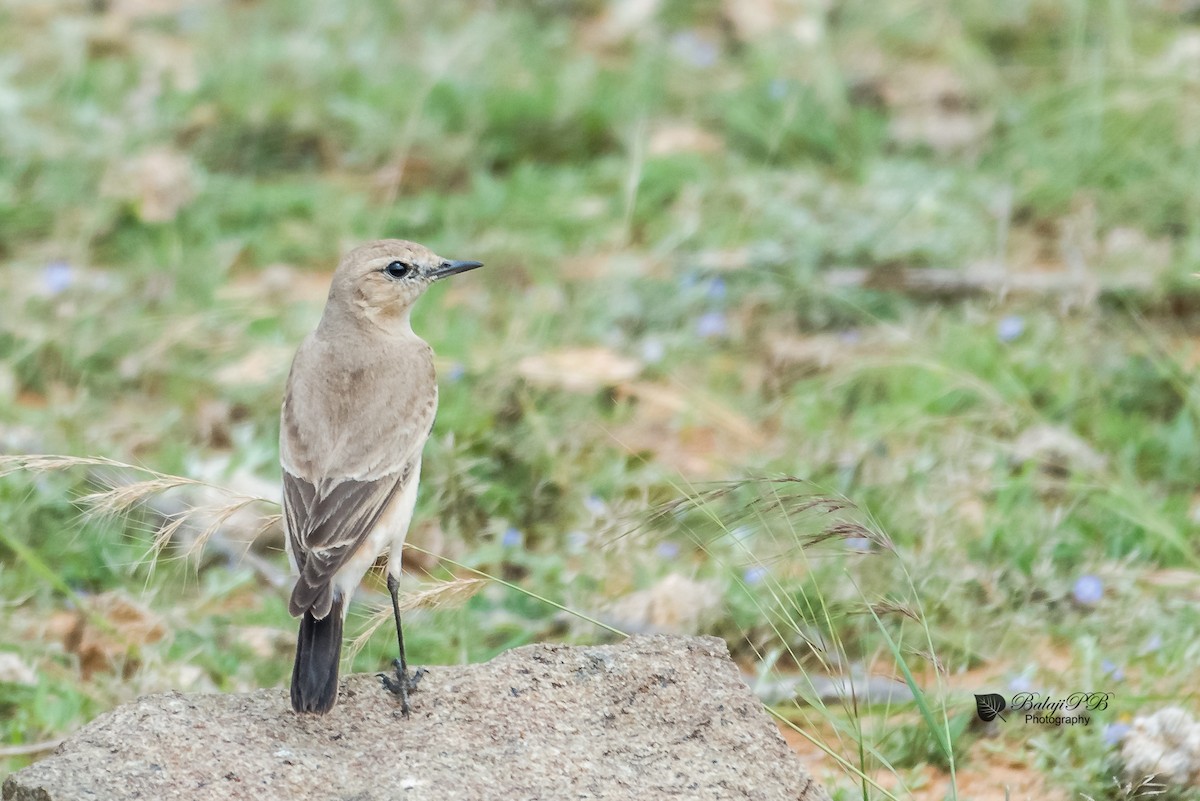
{"points": [[28, 749]]}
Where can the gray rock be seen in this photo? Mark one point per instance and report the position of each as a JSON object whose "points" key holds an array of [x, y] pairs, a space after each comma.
{"points": [[654, 717]]}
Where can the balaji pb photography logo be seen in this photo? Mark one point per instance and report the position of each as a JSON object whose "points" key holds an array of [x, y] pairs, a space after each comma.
{"points": [[1040, 708]]}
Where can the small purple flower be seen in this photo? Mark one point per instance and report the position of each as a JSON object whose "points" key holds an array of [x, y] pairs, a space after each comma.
{"points": [[1088, 590], [754, 575], [667, 550], [57, 277], [512, 538], [594, 505], [1153, 643], [693, 49], [577, 541], [858, 544], [742, 533], [1010, 328], [711, 325], [1021, 684], [1114, 733], [653, 350], [717, 289], [850, 336], [456, 372], [1112, 670]]}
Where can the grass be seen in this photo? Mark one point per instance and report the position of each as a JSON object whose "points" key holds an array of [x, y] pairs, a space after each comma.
{"points": [[692, 194]]}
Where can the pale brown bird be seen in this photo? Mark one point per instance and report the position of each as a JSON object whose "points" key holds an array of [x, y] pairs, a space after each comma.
{"points": [[359, 405]]}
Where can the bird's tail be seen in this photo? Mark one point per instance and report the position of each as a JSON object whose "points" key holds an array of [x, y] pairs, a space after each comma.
{"points": [[318, 650]]}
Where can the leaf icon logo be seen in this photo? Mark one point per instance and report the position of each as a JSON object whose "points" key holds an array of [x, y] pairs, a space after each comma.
{"points": [[990, 706]]}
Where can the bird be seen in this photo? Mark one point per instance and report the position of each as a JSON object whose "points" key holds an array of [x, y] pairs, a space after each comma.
{"points": [[357, 408]]}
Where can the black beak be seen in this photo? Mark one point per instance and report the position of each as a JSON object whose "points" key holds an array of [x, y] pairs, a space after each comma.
{"points": [[454, 268]]}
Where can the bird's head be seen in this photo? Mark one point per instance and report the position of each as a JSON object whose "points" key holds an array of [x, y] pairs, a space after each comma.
{"points": [[380, 281]]}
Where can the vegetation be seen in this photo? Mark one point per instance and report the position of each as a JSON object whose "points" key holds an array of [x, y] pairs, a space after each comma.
{"points": [[860, 334]]}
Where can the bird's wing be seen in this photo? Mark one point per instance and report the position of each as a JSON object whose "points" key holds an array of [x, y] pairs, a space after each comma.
{"points": [[327, 524], [350, 439]]}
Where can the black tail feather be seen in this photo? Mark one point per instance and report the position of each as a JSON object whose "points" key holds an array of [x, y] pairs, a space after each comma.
{"points": [[318, 651]]}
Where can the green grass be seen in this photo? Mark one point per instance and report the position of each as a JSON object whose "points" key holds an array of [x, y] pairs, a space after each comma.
{"points": [[546, 142]]}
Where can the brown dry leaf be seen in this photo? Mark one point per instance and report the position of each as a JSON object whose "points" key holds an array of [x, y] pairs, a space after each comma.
{"points": [[621, 20], [109, 37], [277, 283], [262, 365], [1176, 579], [109, 634], [263, 641], [145, 9], [932, 106], [1056, 450], [608, 266], [157, 183], [1036, 247], [1181, 60], [663, 402], [693, 451], [723, 260], [1136, 253], [169, 57], [990, 774], [675, 138], [429, 544], [793, 357], [661, 427], [754, 19], [675, 605], [15, 670], [586, 369]]}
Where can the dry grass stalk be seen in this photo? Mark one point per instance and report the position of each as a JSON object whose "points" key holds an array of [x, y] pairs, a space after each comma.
{"points": [[120, 497], [442, 595]]}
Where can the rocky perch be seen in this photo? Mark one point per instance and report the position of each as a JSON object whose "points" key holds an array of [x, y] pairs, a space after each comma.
{"points": [[654, 717]]}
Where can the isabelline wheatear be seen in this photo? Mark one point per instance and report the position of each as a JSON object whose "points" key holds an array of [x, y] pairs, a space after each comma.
{"points": [[359, 405]]}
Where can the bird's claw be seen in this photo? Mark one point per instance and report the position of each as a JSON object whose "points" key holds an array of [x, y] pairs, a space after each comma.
{"points": [[402, 684]]}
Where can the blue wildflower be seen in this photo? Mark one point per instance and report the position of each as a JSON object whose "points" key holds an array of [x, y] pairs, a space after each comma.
{"points": [[1021, 684], [754, 575], [1088, 590], [577, 541], [512, 538], [694, 49], [1114, 733], [742, 533], [57, 277], [1010, 328], [653, 350], [711, 325]]}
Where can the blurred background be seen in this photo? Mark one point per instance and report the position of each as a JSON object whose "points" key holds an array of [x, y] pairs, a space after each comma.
{"points": [[861, 334]]}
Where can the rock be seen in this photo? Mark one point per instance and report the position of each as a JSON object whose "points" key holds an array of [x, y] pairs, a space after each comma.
{"points": [[654, 717], [1165, 746], [676, 604]]}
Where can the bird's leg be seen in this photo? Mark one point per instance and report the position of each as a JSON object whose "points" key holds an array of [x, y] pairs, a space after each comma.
{"points": [[403, 683]]}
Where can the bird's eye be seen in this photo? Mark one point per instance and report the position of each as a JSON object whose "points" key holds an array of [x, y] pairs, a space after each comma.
{"points": [[398, 269]]}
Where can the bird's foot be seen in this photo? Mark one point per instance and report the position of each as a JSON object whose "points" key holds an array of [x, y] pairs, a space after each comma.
{"points": [[402, 683]]}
